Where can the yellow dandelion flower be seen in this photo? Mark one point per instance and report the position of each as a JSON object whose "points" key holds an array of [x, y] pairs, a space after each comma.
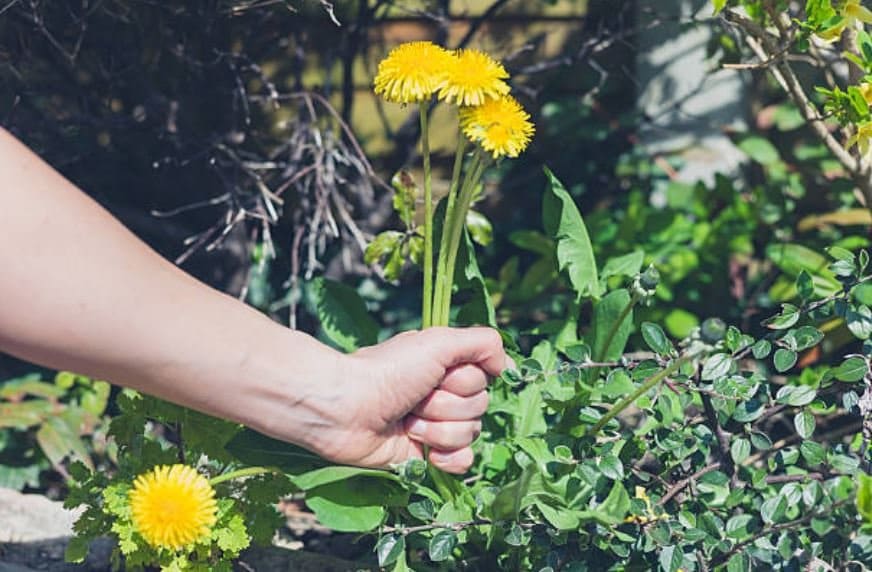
{"points": [[412, 72], [852, 13], [173, 506], [500, 126], [473, 78]]}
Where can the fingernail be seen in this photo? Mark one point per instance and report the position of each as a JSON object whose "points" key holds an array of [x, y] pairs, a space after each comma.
{"points": [[416, 428]]}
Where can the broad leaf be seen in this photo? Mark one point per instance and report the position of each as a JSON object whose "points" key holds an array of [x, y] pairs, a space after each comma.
{"points": [[564, 224], [343, 315]]}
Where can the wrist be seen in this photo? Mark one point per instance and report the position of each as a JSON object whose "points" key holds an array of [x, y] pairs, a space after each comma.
{"points": [[295, 390]]}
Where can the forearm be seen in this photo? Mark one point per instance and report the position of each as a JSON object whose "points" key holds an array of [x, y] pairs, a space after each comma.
{"points": [[80, 292]]}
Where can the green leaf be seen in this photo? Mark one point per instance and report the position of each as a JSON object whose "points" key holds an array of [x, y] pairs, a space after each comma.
{"points": [[605, 313], [784, 359], [718, 5], [772, 510], [761, 349], [57, 437], [77, 550], [805, 285], [479, 309], [355, 505], [859, 321], [804, 423], [390, 547], [618, 384], [862, 293], [760, 149], [626, 265], [442, 544], [256, 449], [656, 338], [716, 366], [333, 474], [740, 449], [796, 395], [786, 319], [507, 502], [803, 338], [851, 370], [740, 526], [382, 245], [343, 315], [813, 453], [405, 196], [232, 536], [671, 558], [479, 227], [563, 223], [616, 505], [612, 467], [864, 496]]}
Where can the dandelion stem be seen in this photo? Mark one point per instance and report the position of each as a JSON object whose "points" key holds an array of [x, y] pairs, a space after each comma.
{"points": [[427, 310], [455, 229], [239, 473], [446, 223]]}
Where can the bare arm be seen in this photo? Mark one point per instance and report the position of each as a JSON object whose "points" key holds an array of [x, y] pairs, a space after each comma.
{"points": [[80, 292]]}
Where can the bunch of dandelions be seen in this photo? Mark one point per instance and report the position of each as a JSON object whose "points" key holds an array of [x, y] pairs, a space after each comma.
{"points": [[488, 117]]}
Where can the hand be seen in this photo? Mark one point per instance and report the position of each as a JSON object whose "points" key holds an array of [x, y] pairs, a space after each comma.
{"points": [[418, 388]]}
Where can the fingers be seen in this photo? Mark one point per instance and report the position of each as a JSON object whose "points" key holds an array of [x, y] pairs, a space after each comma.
{"points": [[479, 346], [465, 380], [456, 462], [447, 406], [444, 435]]}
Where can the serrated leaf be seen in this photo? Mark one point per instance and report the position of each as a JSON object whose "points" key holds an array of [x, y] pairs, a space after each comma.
{"points": [[564, 224], [343, 315]]}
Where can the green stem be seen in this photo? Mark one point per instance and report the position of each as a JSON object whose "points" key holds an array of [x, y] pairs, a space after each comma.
{"points": [[427, 311], [455, 229], [247, 472], [449, 214], [630, 399], [602, 353]]}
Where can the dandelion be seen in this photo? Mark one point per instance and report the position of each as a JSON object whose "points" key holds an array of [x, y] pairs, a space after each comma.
{"points": [[412, 72], [473, 78], [500, 126], [173, 506], [852, 13]]}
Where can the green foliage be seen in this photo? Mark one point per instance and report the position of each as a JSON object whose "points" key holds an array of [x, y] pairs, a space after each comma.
{"points": [[44, 425], [655, 460]]}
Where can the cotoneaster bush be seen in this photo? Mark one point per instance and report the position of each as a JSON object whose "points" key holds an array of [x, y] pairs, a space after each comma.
{"points": [[717, 450]]}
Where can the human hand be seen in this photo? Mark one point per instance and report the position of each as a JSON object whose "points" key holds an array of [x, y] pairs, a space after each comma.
{"points": [[419, 388]]}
